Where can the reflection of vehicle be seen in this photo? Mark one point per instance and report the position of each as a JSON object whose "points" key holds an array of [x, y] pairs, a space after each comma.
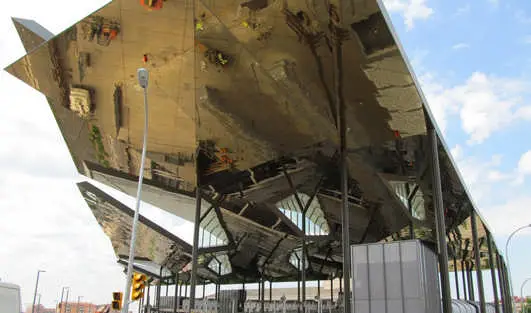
{"points": [[152, 4], [10, 298]]}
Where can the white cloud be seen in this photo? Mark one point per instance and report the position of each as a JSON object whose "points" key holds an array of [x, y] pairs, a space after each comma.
{"points": [[480, 175], [460, 46], [524, 164], [411, 10], [485, 103], [462, 10], [494, 190], [494, 2], [506, 217]]}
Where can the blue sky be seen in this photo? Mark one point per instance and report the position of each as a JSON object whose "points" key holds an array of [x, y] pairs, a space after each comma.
{"points": [[472, 58]]}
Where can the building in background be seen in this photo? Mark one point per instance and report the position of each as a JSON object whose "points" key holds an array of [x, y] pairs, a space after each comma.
{"points": [[83, 307]]}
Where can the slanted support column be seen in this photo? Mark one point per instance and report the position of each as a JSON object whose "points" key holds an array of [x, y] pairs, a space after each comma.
{"points": [[493, 274], [477, 256], [440, 222]]}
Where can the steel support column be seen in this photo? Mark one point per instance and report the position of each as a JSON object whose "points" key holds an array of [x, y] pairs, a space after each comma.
{"points": [[176, 295], [493, 274], [332, 290], [299, 287], [439, 222], [463, 276], [148, 298], [195, 246], [303, 265], [159, 289], [477, 256], [262, 305], [509, 300], [341, 110], [471, 293], [457, 279], [270, 290], [501, 279]]}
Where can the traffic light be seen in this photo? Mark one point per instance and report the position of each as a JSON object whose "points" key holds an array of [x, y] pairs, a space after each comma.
{"points": [[117, 300], [139, 283]]}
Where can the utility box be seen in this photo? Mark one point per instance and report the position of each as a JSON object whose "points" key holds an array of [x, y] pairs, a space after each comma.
{"points": [[395, 277]]}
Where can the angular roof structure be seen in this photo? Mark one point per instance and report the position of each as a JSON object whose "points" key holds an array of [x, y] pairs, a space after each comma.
{"points": [[243, 105]]}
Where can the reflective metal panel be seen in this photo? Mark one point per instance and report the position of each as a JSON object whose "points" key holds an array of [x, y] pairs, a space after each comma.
{"points": [[88, 74], [153, 242]]}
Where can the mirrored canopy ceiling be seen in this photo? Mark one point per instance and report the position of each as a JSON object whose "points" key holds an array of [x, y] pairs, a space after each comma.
{"points": [[243, 103]]}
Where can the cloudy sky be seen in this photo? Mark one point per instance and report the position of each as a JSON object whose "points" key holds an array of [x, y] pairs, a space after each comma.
{"points": [[472, 58]]}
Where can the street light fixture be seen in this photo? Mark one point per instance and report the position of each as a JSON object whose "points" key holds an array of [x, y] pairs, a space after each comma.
{"points": [[507, 258], [36, 287], [522, 294], [143, 79]]}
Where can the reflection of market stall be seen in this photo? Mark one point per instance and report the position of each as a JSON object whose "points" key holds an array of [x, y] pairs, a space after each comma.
{"points": [[296, 130]]}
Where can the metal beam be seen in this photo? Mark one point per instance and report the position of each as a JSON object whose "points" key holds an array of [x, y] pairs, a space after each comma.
{"points": [[410, 208], [205, 214], [477, 256], [273, 250], [326, 258], [440, 222], [215, 249], [224, 225], [329, 263], [493, 274]]}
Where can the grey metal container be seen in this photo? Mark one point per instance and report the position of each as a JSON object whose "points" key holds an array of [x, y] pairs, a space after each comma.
{"points": [[395, 277]]}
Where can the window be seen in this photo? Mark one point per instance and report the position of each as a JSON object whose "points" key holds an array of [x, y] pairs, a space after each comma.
{"points": [[220, 265], [316, 223]]}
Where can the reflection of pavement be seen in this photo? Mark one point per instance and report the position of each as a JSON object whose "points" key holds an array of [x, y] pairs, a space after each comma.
{"points": [[118, 62]]}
